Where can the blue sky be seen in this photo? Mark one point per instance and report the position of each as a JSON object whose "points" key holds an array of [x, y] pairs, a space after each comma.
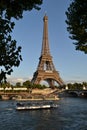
{"points": [[28, 32]]}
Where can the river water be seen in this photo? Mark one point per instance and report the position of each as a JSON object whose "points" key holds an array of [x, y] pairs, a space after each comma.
{"points": [[71, 114]]}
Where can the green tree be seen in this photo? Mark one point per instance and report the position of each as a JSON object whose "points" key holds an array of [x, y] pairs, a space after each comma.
{"points": [[70, 86], [77, 23], [18, 84], [84, 84], [27, 84], [9, 52]]}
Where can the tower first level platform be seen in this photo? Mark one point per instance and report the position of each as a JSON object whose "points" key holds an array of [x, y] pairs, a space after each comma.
{"points": [[49, 76]]}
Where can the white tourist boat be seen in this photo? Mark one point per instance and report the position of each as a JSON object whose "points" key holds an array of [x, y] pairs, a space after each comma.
{"points": [[35, 106]]}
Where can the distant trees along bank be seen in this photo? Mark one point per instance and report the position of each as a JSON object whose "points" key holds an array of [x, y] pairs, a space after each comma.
{"points": [[27, 86]]}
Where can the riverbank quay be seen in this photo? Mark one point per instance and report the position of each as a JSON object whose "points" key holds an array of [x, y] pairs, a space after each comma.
{"points": [[36, 94], [44, 94]]}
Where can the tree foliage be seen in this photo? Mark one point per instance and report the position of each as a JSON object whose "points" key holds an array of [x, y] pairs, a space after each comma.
{"points": [[77, 86], [9, 52], [77, 23], [27, 84], [18, 84]]}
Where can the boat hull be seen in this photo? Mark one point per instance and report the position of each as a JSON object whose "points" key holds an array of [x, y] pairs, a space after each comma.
{"points": [[36, 107]]}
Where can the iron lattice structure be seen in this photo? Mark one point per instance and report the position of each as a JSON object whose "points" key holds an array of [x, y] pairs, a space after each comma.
{"points": [[46, 69]]}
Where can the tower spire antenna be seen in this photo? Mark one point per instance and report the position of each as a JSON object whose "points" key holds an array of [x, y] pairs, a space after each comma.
{"points": [[45, 41]]}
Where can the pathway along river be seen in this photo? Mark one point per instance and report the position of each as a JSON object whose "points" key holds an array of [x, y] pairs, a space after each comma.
{"points": [[71, 114]]}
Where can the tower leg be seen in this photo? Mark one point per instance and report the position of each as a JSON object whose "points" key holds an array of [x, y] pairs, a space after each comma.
{"points": [[51, 83]]}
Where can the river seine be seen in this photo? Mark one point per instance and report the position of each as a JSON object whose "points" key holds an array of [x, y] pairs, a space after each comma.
{"points": [[71, 114]]}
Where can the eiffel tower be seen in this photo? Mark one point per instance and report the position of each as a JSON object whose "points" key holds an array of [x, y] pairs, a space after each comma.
{"points": [[46, 70]]}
